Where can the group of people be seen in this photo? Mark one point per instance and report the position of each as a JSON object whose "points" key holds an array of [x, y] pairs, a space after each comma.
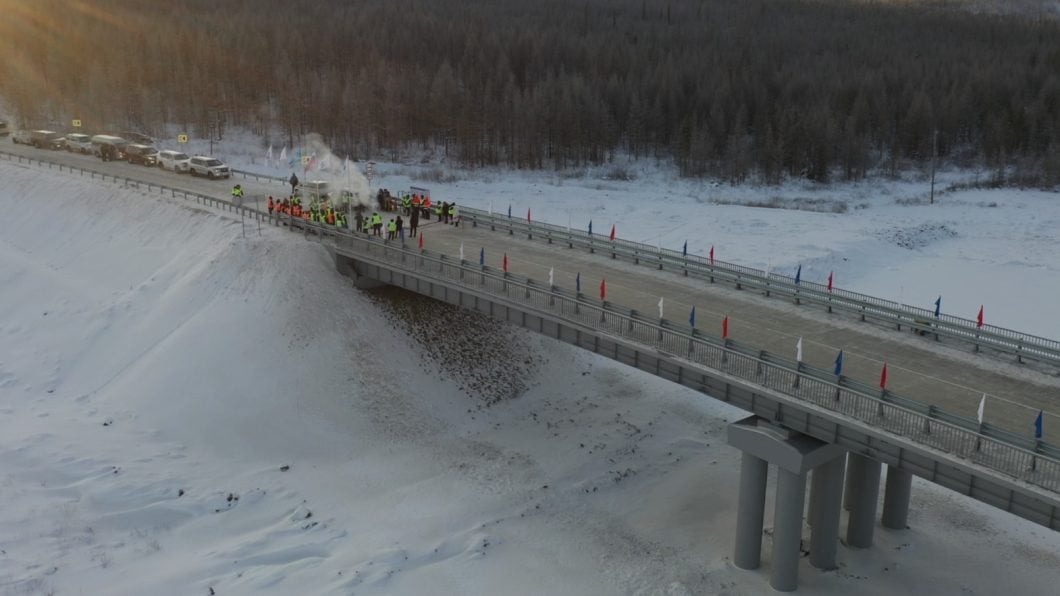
{"points": [[317, 211], [413, 206]]}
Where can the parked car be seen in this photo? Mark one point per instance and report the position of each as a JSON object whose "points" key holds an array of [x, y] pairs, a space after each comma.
{"points": [[211, 167], [21, 137], [174, 160], [144, 155], [4, 130], [47, 139], [78, 143], [138, 138], [108, 147]]}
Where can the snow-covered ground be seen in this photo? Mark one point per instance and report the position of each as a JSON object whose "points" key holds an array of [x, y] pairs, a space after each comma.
{"points": [[184, 410]]}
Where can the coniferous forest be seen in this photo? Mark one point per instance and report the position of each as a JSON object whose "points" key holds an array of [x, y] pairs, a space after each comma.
{"points": [[750, 89]]}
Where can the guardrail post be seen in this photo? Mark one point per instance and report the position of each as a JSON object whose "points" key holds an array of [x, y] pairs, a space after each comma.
{"points": [[927, 420]]}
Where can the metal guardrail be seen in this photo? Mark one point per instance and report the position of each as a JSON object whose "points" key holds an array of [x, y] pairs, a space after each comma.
{"points": [[1019, 457], [1030, 460], [1022, 345]]}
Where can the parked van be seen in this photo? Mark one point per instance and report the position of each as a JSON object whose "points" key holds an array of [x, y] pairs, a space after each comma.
{"points": [[78, 143], [108, 147]]}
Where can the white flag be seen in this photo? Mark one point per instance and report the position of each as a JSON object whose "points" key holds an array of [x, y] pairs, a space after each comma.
{"points": [[283, 153], [798, 350], [268, 154], [325, 163], [660, 307], [982, 405], [461, 251], [551, 277], [491, 207]]}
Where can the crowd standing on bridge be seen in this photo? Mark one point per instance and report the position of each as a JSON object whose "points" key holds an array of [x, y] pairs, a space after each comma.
{"points": [[412, 206]]}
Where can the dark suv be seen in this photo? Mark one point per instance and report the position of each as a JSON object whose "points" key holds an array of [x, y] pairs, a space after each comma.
{"points": [[135, 137], [144, 155], [47, 139]]}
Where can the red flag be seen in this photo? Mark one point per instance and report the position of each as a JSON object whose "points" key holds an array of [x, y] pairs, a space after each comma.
{"points": [[603, 289], [527, 215], [421, 241], [830, 274], [979, 319], [725, 328], [883, 377], [505, 263], [612, 232], [711, 254]]}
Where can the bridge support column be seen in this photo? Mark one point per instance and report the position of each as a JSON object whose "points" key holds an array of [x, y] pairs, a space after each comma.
{"points": [[863, 492], [896, 498], [787, 530], [794, 454], [826, 498], [748, 551]]}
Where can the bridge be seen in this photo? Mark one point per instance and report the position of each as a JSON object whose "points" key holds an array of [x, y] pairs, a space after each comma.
{"points": [[836, 430]]}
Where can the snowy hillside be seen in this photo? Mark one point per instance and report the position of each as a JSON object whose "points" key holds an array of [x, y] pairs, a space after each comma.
{"points": [[184, 411]]}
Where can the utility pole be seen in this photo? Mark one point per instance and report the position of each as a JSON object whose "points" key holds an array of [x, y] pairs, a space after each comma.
{"points": [[934, 159]]}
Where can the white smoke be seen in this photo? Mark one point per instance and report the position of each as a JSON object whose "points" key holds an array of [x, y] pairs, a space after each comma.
{"points": [[352, 180]]}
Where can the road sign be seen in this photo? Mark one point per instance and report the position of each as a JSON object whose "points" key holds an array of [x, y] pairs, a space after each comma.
{"points": [[182, 138], [305, 160], [77, 123]]}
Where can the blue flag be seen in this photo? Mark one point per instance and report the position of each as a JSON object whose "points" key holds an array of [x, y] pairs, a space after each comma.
{"points": [[684, 251], [938, 306], [590, 227], [692, 317], [509, 210], [1038, 426], [482, 256], [798, 274], [578, 283], [839, 364]]}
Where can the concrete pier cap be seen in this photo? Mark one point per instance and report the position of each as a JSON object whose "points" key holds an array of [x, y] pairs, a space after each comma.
{"points": [[787, 449]]}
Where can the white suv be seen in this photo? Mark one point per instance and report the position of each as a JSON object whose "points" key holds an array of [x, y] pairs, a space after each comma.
{"points": [[78, 143], [174, 160], [211, 167]]}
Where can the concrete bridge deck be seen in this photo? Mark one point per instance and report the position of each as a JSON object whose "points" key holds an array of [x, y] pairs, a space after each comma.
{"points": [[918, 368]]}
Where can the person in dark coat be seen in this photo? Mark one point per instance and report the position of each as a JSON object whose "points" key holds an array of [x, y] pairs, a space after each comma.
{"points": [[414, 222], [294, 182]]}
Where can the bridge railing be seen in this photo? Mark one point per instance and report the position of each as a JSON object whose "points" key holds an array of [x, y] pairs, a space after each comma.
{"points": [[1022, 345], [1031, 460], [1019, 457]]}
